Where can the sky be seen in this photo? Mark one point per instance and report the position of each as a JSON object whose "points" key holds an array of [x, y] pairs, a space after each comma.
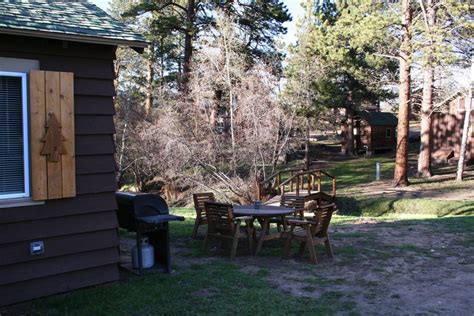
{"points": [[293, 6]]}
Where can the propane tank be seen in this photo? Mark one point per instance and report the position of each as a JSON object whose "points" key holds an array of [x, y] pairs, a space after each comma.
{"points": [[148, 255]]}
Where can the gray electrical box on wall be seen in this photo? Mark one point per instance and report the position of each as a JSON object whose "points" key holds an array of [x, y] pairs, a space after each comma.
{"points": [[36, 248]]}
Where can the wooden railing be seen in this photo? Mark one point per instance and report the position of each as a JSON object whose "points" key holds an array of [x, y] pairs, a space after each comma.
{"points": [[297, 180]]}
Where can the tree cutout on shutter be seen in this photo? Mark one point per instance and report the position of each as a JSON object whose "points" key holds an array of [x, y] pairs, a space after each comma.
{"points": [[53, 140]]}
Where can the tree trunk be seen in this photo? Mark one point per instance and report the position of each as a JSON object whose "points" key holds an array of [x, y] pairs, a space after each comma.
{"points": [[424, 159], [162, 64], [232, 132], [188, 43], [400, 177], [465, 131], [149, 81], [307, 144], [350, 132], [227, 7], [214, 112]]}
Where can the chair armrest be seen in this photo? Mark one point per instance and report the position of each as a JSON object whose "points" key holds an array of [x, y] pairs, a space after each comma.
{"points": [[300, 222], [243, 218], [324, 206]]}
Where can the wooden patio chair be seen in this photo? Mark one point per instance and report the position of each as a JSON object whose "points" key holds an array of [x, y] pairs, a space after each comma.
{"points": [[199, 199], [311, 232], [295, 202], [222, 225]]}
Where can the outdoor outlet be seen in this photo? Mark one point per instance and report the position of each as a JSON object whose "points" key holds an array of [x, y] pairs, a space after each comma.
{"points": [[36, 248]]}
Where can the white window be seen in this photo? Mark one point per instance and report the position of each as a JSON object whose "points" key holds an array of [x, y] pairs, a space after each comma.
{"points": [[460, 104], [14, 155]]}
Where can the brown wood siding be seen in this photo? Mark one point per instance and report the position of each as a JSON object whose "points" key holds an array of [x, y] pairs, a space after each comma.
{"points": [[80, 234], [60, 246], [379, 139], [93, 105], [58, 226], [97, 87], [18, 272], [447, 132], [373, 136], [35, 46], [95, 164], [87, 145], [58, 208], [96, 183], [57, 283], [94, 124]]}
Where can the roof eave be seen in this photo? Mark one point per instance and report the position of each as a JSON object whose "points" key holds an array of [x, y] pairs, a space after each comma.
{"points": [[136, 45]]}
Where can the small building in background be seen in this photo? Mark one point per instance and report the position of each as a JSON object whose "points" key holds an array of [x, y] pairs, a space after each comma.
{"points": [[373, 131], [447, 127]]}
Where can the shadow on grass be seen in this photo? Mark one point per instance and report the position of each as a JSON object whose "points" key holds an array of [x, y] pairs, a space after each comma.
{"points": [[387, 206]]}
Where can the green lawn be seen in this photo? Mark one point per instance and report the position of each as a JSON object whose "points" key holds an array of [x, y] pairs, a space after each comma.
{"points": [[353, 173], [357, 171], [218, 289]]}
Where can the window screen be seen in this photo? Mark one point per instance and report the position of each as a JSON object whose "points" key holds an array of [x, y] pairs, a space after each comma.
{"points": [[12, 168]]}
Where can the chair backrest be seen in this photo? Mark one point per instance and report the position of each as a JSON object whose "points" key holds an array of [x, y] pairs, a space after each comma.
{"points": [[200, 199], [219, 217], [295, 202], [320, 198], [322, 216]]}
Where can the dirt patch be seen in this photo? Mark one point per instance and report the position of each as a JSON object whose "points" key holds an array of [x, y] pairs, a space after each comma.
{"points": [[393, 270]]}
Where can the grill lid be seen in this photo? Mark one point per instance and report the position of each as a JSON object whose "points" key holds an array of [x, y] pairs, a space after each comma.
{"points": [[142, 207]]}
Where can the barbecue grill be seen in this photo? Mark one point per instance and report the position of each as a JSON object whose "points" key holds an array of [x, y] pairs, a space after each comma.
{"points": [[147, 215]]}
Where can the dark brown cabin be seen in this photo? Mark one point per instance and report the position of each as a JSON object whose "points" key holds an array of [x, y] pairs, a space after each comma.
{"points": [[372, 131], [447, 130], [58, 225]]}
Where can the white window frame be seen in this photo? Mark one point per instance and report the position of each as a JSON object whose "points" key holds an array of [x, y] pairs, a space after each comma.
{"points": [[26, 147], [458, 104]]}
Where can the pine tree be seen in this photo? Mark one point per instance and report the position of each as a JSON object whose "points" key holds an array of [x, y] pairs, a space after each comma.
{"points": [[400, 177], [345, 37], [303, 71], [184, 21], [424, 159]]}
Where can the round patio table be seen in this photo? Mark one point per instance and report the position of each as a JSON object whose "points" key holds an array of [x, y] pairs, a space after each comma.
{"points": [[264, 214]]}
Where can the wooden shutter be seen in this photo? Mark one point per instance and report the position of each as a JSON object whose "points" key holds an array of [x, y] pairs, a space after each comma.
{"points": [[52, 94]]}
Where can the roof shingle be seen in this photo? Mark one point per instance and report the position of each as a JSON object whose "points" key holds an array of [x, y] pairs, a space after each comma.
{"points": [[379, 118], [76, 21]]}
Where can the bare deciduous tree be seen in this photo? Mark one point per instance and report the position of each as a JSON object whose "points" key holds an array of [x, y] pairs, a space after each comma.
{"points": [[465, 131], [227, 132]]}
